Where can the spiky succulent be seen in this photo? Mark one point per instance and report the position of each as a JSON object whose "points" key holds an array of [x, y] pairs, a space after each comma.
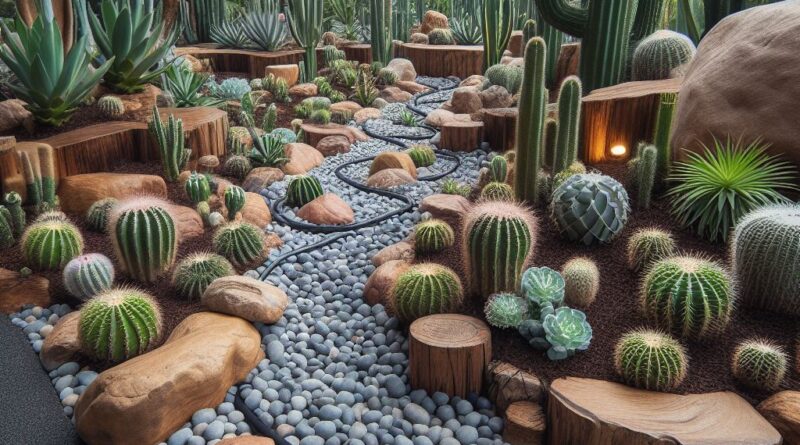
{"points": [[97, 215], [576, 168], [422, 155], [650, 360], [506, 76], [88, 275], [197, 187], [433, 235], [51, 216], [7, 238], [144, 237], [320, 117], [648, 246], [268, 151], [230, 34], [497, 191], [49, 245], [234, 200], [542, 287], [590, 208], [237, 166], [581, 281], [760, 364], [232, 88], [17, 220], [302, 190], [196, 272], [688, 295], [240, 242], [452, 187], [425, 289], [505, 310], [119, 324], [111, 106]]}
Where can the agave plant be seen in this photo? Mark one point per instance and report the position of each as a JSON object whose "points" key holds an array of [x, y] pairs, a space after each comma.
{"points": [[268, 151], [185, 85], [265, 28], [51, 83], [128, 31], [230, 35], [715, 189]]}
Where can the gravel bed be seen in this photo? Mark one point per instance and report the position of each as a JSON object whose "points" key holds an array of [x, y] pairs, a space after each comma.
{"points": [[386, 128]]}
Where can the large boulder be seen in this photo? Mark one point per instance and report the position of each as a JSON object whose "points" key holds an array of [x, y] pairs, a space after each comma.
{"points": [[328, 209], [391, 177], [147, 398], [304, 90], [302, 158], [496, 96], [743, 83], [432, 20], [247, 298], [62, 344], [398, 251], [403, 68], [333, 145], [782, 410], [395, 95], [13, 114], [17, 291], [260, 178], [380, 284], [255, 210], [465, 100], [393, 159], [188, 222], [77, 193], [450, 208], [366, 114]]}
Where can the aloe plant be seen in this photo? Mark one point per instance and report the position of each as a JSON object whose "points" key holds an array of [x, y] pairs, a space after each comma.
{"points": [[305, 24], [185, 85]]}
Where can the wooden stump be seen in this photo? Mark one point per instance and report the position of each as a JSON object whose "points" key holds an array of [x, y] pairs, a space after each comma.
{"points": [[500, 128], [449, 353], [525, 424], [568, 61], [461, 136], [361, 52], [253, 63], [444, 60]]}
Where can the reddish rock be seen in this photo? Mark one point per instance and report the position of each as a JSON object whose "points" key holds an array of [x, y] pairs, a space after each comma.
{"points": [[393, 159], [450, 208], [475, 80], [411, 87], [395, 95], [403, 68], [77, 193], [255, 210], [782, 410], [432, 20], [346, 106], [403, 251], [302, 158], [17, 291], [465, 100], [496, 97], [188, 222], [419, 38], [260, 178], [389, 178], [247, 440], [380, 284], [303, 90], [366, 114], [247, 298], [328, 209], [315, 133], [333, 145], [62, 344]]}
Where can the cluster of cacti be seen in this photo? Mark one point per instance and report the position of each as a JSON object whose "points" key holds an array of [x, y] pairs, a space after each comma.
{"points": [[237, 166], [498, 169], [497, 191], [660, 53], [234, 200], [305, 24], [498, 241], [320, 117], [506, 76], [196, 272], [240, 242], [688, 295], [581, 281], [422, 155], [505, 310], [97, 215], [380, 15], [331, 53], [386, 77], [433, 235], [648, 246], [40, 183], [268, 151], [651, 360], [530, 123], [765, 253], [425, 289], [590, 208], [111, 106], [497, 25], [171, 144], [759, 364], [88, 275], [144, 237], [270, 119], [277, 86], [569, 118], [197, 188], [49, 245], [207, 14], [452, 187], [302, 190], [441, 36], [119, 324]]}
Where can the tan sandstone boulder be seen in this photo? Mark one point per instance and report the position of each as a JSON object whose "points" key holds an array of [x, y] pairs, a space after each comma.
{"points": [[13, 114], [303, 90], [399, 251], [395, 95], [260, 178], [382, 281], [465, 100], [333, 145], [302, 158], [62, 344], [188, 222], [347, 106], [366, 114], [432, 20], [782, 410], [16, 291], [255, 210], [77, 193], [450, 208], [328, 209], [403, 68], [393, 159], [247, 298], [389, 178]]}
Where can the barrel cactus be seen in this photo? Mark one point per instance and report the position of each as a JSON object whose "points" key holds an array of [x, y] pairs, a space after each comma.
{"points": [[658, 54], [505, 310], [506, 76], [581, 281], [425, 289], [759, 364], [119, 324], [766, 257], [302, 190], [237, 166], [49, 245], [111, 106], [51, 216], [197, 187], [648, 246], [498, 241], [88, 275], [497, 191], [97, 215], [240, 242], [441, 36], [590, 208], [234, 200], [422, 155], [688, 295], [650, 360], [144, 236], [433, 235], [195, 273]]}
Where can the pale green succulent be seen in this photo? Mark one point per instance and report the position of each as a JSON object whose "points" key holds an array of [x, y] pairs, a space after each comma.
{"points": [[567, 331], [541, 287]]}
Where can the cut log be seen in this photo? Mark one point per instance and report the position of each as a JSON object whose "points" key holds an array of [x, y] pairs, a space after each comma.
{"points": [[595, 412], [253, 63], [361, 52], [500, 128], [568, 60], [461, 136], [314, 133], [623, 114], [444, 60], [525, 424], [449, 353], [509, 384]]}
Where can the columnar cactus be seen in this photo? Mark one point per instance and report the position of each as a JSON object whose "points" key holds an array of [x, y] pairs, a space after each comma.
{"points": [[270, 118], [144, 236], [13, 202], [7, 238], [651, 360], [305, 24], [765, 253], [569, 122], [240, 242], [505, 310], [661, 135], [97, 215], [111, 106], [88, 275], [530, 123], [47, 176], [234, 200], [759, 364], [659, 54], [49, 245], [498, 168], [433, 235], [33, 183], [195, 273], [119, 324], [648, 246], [380, 15], [497, 23], [171, 144], [197, 187], [497, 191], [425, 289], [590, 208], [237, 166], [690, 296], [581, 281], [498, 241], [422, 155], [646, 176], [302, 190]]}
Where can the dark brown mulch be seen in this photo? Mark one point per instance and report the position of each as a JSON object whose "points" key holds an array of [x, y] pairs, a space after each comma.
{"points": [[84, 116]]}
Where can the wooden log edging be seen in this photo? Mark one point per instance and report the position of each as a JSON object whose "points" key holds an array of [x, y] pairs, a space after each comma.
{"points": [[461, 136], [444, 60], [253, 63], [500, 128]]}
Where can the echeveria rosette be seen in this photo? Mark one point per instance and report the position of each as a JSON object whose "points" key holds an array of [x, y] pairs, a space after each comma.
{"points": [[542, 286], [567, 331]]}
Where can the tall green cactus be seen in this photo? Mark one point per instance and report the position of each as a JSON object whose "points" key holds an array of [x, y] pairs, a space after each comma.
{"points": [[197, 188], [649, 18], [381, 30], [498, 22], [33, 184], [529, 30], [569, 119], [305, 24], [7, 238], [170, 139], [661, 135], [47, 172], [207, 14], [144, 237], [530, 123], [14, 205], [646, 176]]}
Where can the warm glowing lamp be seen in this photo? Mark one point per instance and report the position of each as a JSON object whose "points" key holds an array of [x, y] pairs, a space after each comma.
{"points": [[618, 151]]}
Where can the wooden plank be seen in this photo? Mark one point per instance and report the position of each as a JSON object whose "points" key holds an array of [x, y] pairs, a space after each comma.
{"points": [[250, 62], [444, 60]]}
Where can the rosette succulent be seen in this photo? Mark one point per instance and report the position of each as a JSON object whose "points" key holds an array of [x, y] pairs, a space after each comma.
{"points": [[505, 310], [590, 208], [567, 331], [542, 287]]}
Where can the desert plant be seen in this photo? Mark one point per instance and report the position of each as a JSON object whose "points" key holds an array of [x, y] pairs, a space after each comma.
{"points": [[13, 202], [408, 118], [237, 166], [7, 237], [650, 360], [581, 281], [281, 91], [422, 155], [661, 135], [185, 85], [466, 30], [268, 151], [207, 14], [49, 245], [234, 200], [144, 237], [88, 275], [230, 34], [433, 235], [51, 216], [765, 253], [441, 36], [284, 135], [498, 168], [505, 310], [530, 123], [506, 76], [497, 191], [497, 23], [542, 287], [658, 54], [569, 120], [270, 118], [646, 166], [232, 88], [380, 15], [561, 332], [265, 29], [452, 187], [576, 168], [320, 117], [386, 77], [425, 289], [590, 208], [111, 106], [305, 24], [302, 190], [197, 187], [688, 295], [714, 190], [364, 91], [196, 272], [171, 144], [331, 53], [240, 242], [119, 324], [648, 246], [759, 364], [97, 215]]}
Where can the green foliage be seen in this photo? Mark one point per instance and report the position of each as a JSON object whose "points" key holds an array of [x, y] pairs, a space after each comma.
{"points": [[184, 85], [567, 331], [659, 54], [88, 275], [230, 35], [111, 106], [13, 202], [432, 236], [305, 24], [302, 190], [380, 16], [425, 289], [651, 360], [232, 88], [441, 36], [119, 324], [715, 189], [542, 287], [759, 364], [284, 135], [530, 123], [497, 191], [98, 214], [452, 187], [590, 208], [49, 245], [264, 28], [365, 92], [505, 310], [197, 188], [240, 242], [408, 118], [171, 144], [7, 237], [576, 168], [270, 118], [422, 155], [268, 151], [645, 174], [144, 237], [331, 53], [497, 25], [234, 200], [195, 273], [690, 296], [237, 166], [320, 117], [207, 14], [506, 76], [581, 281], [661, 135], [648, 246], [498, 168], [569, 122], [466, 30]]}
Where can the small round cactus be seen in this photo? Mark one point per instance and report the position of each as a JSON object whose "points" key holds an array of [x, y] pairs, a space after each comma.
{"points": [[422, 155], [198, 188], [302, 190], [658, 54], [650, 360], [425, 289], [119, 324], [648, 246], [237, 166], [88, 275], [111, 106], [581, 282], [97, 215], [505, 310], [497, 191], [195, 273], [759, 364], [498, 169], [240, 242], [234, 200], [506, 76], [441, 36], [433, 236], [144, 236], [49, 245], [321, 117], [51, 216]]}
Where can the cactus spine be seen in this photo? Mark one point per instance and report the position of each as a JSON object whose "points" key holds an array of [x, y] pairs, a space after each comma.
{"points": [[305, 24], [197, 188], [195, 273], [505, 310], [529, 30], [302, 190], [581, 282], [14, 206], [97, 215], [88, 275], [171, 144], [497, 191], [144, 237], [433, 236], [380, 16], [111, 106], [530, 123], [759, 364], [646, 176], [497, 24], [425, 289], [661, 135], [234, 200], [49, 245], [650, 360], [207, 14], [569, 118], [237, 166]]}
